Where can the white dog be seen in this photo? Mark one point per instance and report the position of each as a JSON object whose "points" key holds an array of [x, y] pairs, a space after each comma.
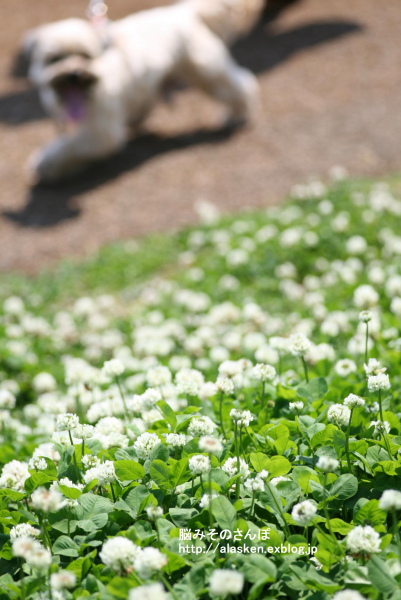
{"points": [[105, 81]]}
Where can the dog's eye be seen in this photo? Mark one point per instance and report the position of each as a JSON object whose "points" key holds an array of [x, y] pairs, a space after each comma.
{"points": [[84, 55], [55, 58]]}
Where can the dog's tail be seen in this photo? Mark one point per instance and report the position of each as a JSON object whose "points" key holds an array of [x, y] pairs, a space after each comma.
{"points": [[229, 19]]}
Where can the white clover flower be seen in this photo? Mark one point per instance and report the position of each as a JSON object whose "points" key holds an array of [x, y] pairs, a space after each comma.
{"points": [[210, 444], [14, 475], [230, 368], [395, 306], [39, 559], [113, 368], [200, 426], [277, 480], [7, 399], [208, 390], [23, 530], [373, 408], [150, 398], [108, 425], [119, 553], [348, 595], [22, 546], [365, 316], [224, 582], [199, 464], [390, 500], [68, 483], [176, 439], [154, 512], [263, 372], [352, 401], [378, 382], [14, 305], [67, 422], [365, 296], [63, 580], [318, 565], [205, 500], [231, 467], [47, 450], [363, 541], [304, 513], [189, 381], [225, 385], [149, 561], [153, 591], [145, 443], [38, 464], [158, 376], [89, 461], [299, 344], [381, 427], [44, 382], [47, 500], [339, 414], [296, 406], [106, 472], [345, 367], [254, 485], [84, 431], [241, 417], [327, 464], [374, 367]]}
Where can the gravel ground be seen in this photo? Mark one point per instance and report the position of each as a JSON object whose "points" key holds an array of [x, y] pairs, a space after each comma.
{"points": [[331, 94]]}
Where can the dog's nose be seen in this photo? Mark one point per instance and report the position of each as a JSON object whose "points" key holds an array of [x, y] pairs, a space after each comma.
{"points": [[76, 75]]}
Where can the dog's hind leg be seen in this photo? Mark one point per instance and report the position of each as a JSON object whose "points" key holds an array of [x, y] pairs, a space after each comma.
{"points": [[212, 68]]}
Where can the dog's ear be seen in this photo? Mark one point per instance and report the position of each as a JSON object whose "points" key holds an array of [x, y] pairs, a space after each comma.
{"points": [[23, 59]]}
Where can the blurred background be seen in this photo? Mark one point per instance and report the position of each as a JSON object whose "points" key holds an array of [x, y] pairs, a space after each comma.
{"points": [[330, 75]]}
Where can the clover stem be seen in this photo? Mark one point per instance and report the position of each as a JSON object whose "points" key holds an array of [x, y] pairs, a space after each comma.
{"points": [[252, 505], [347, 442], [49, 584], [168, 586], [305, 366], [112, 492], [72, 444], [262, 398], [326, 512], [237, 484], [221, 415], [380, 406], [210, 492], [396, 533], [367, 344]]}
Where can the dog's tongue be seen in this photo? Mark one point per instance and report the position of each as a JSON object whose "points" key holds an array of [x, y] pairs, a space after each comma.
{"points": [[75, 104]]}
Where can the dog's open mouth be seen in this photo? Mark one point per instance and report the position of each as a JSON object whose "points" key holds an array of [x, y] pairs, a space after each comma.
{"points": [[73, 89]]}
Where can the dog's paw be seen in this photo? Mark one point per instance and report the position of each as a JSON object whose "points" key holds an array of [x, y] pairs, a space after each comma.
{"points": [[42, 168]]}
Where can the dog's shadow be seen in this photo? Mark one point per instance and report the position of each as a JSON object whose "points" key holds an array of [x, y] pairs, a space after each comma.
{"points": [[49, 205], [261, 51]]}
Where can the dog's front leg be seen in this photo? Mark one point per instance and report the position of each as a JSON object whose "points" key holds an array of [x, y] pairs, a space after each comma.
{"points": [[70, 153]]}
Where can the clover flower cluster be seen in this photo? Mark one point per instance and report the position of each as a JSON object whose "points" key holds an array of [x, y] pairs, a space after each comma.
{"points": [[217, 354]]}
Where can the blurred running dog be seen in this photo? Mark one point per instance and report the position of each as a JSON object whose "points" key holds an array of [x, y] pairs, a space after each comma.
{"points": [[104, 81]]}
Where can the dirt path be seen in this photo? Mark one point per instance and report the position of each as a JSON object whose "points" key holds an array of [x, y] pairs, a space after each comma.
{"points": [[330, 74]]}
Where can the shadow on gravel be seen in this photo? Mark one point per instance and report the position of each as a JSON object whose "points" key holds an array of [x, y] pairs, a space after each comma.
{"points": [[48, 205], [261, 51]]}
